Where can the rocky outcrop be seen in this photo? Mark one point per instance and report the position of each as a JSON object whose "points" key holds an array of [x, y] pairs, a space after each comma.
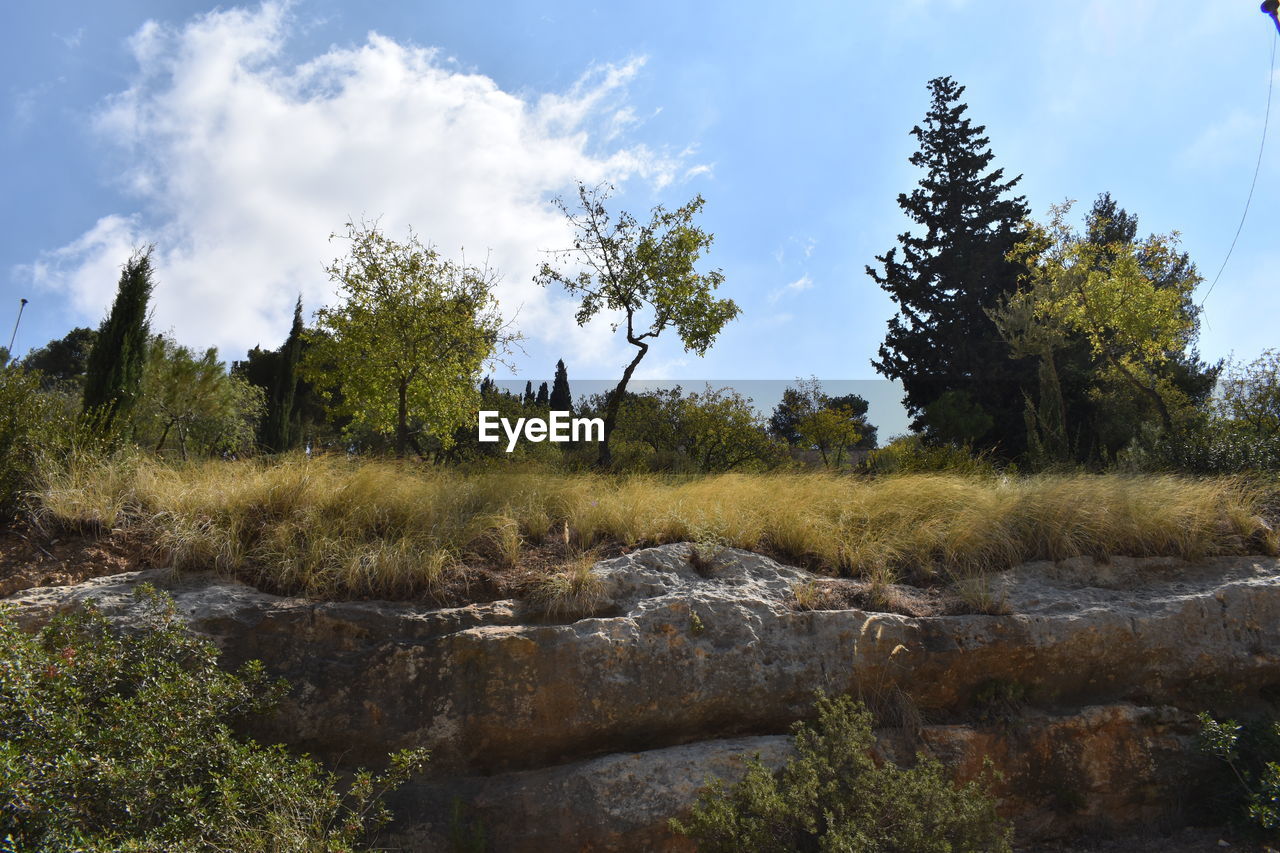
{"points": [[680, 657], [1100, 769]]}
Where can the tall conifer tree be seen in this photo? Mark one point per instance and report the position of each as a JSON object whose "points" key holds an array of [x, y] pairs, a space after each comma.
{"points": [[561, 400], [113, 373], [281, 429], [961, 383]]}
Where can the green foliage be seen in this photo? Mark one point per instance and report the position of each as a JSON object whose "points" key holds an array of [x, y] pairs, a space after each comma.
{"points": [[807, 416], [113, 373], [406, 345], [31, 423], [712, 431], [280, 429], [947, 278], [62, 362], [955, 418], [561, 399], [721, 432], [193, 400], [646, 272], [1252, 754], [1241, 434], [910, 454], [833, 796], [1130, 302], [1208, 445], [115, 741], [1251, 395]]}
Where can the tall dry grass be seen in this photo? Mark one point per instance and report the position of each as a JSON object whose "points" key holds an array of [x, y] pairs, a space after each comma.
{"points": [[332, 527]]}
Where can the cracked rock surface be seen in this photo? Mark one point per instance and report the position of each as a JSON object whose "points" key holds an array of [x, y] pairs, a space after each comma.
{"points": [[684, 658]]}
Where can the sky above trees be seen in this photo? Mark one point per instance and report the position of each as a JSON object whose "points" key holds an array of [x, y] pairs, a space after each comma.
{"points": [[239, 140]]}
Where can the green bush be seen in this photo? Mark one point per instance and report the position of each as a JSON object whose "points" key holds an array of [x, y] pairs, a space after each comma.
{"points": [[112, 741], [29, 421], [911, 454], [1252, 756], [833, 796], [1211, 446]]}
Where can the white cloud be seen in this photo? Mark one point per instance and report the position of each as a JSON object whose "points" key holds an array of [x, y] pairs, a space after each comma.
{"points": [[73, 40], [800, 285], [242, 163]]}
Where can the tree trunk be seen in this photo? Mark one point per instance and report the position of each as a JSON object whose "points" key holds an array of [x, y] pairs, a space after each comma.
{"points": [[163, 436], [402, 420], [615, 402]]}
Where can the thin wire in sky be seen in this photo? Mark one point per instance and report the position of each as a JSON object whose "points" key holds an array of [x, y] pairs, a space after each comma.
{"points": [[1271, 79]]}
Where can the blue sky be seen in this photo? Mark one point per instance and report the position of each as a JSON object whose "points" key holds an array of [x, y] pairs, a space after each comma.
{"points": [[237, 139]]}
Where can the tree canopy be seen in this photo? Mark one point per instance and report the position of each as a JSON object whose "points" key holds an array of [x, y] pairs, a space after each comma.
{"points": [[942, 342], [407, 341], [113, 373], [645, 272]]}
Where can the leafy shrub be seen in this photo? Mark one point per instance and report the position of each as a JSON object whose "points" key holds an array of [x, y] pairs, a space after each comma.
{"points": [[123, 742], [910, 454], [1211, 446], [833, 796], [28, 421], [1252, 754]]}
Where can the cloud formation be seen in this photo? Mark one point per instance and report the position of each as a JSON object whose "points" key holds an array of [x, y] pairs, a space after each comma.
{"points": [[800, 285], [242, 163]]}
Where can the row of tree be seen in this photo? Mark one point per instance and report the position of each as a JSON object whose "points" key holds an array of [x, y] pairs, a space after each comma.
{"points": [[1028, 341]]}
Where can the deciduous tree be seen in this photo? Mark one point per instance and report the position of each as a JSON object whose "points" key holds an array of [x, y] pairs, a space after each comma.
{"points": [[646, 273], [406, 344], [1118, 296]]}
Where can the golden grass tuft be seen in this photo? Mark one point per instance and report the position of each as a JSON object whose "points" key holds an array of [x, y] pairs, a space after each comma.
{"points": [[334, 527], [571, 593]]}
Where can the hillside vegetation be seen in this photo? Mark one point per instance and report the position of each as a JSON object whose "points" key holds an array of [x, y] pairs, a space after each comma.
{"points": [[333, 527]]}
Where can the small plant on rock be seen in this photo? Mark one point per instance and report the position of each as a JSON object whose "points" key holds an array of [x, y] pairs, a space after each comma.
{"points": [[833, 795], [574, 592]]}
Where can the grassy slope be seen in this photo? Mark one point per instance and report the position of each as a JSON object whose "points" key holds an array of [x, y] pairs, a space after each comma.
{"points": [[336, 528]]}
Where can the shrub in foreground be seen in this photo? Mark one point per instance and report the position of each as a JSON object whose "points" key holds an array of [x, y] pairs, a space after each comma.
{"points": [[1251, 754], [113, 741], [833, 796]]}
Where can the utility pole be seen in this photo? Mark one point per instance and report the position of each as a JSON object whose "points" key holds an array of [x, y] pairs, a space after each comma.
{"points": [[1272, 8], [13, 337]]}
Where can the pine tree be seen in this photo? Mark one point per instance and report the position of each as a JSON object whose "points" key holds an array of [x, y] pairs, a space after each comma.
{"points": [[961, 383], [281, 430], [113, 373], [560, 400], [543, 396]]}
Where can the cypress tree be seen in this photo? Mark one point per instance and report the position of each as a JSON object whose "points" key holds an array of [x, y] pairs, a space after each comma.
{"points": [[960, 380], [281, 428], [543, 396], [528, 393], [560, 399], [113, 373]]}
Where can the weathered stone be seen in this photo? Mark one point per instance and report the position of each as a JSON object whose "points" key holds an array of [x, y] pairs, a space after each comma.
{"points": [[491, 693], [1103, 770]]}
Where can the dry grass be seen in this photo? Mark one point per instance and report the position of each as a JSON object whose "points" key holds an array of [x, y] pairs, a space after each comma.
{"points": [[332, 527], [572, 593]]}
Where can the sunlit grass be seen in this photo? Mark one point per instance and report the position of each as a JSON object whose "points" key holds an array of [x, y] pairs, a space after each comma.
{"points": [[332, 527]]}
